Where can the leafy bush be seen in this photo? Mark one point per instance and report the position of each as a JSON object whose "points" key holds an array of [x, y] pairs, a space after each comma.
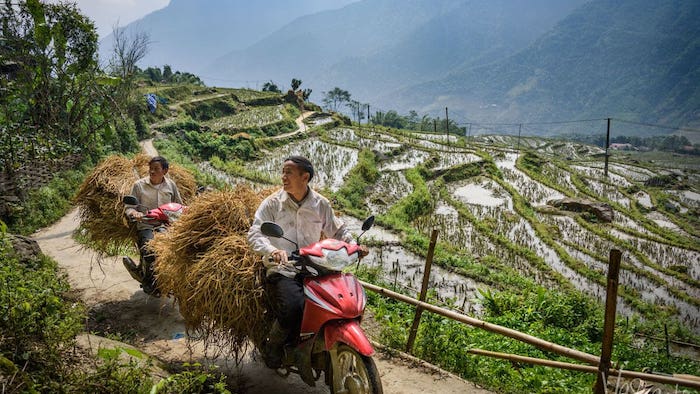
{"points": [[195, 379], [113, 375], [37, 321]]}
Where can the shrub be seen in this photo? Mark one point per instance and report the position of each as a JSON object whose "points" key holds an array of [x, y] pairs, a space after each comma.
{"points": [[195, 379], [37, 322]]}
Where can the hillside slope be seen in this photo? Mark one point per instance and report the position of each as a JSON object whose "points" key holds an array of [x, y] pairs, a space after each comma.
{"points": [[637, 60], [373, 46], [188, 34]]}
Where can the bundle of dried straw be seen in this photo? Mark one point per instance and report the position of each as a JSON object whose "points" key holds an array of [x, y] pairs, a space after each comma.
{"points": [[205, 263], [100, 199]]}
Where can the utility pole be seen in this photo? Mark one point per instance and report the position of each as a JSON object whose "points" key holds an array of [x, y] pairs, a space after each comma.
{"points": [[367, 115], [447, 127], [520, 129], [607, 148]]}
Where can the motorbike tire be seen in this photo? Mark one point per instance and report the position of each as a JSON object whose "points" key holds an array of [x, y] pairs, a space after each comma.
{"points": [[358, 373]]}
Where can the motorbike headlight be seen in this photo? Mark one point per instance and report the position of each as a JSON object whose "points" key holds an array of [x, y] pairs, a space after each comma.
{"points": [[334, 260]]}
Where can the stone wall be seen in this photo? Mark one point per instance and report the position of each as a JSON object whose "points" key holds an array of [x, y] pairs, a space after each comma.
{"points": [[32, 176]]}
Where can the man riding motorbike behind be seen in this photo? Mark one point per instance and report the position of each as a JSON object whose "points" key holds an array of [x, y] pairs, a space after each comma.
{"points": [[304, 215], [151, 192]]}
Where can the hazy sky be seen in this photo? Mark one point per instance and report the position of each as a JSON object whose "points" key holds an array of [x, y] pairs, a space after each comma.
{"points": [[107, 13]]}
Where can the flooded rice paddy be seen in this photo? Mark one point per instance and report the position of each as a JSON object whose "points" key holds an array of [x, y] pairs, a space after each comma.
{"points": [[648, 254]]}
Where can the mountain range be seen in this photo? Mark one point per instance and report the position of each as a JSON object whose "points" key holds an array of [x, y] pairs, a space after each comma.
{"points": [[487, 60]]}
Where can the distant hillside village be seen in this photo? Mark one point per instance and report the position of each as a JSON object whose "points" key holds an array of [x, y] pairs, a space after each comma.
{"points": [[685, 149], [667, 143]]}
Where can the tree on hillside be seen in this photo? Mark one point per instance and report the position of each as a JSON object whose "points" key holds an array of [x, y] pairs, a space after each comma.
{"points": [[295, 84], [154, 74], [356, 110], [335, 98], [129, 48], [390, 119], [306, 93], [167, 73], [271, 87], [56, 102]]}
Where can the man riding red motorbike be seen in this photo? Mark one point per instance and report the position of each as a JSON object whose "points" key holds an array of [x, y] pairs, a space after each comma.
{"points": [[149, 193], [298, 216]]}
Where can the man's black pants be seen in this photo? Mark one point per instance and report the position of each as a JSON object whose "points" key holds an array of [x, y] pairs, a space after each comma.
{"points": [[286, 297]]}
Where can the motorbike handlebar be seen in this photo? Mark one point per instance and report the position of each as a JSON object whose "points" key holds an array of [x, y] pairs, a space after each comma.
{"points": [[303, 264]]}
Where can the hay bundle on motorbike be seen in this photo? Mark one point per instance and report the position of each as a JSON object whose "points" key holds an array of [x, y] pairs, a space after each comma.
{"points": [[99, 199], [204, 261]]}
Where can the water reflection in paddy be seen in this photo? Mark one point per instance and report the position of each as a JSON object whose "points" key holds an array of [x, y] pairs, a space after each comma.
{"points": [[482, 194], [404, 269], [332, 162]]}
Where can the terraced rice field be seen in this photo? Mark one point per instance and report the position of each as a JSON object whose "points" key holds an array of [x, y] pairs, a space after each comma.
{"points": [[504, 222]]}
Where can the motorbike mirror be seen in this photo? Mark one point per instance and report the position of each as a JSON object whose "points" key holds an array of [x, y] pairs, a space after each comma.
{"points": [[130, 200], [368, 223], [272, 229]]}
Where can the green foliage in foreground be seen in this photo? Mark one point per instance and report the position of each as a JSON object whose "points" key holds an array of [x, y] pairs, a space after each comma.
{"points": [[568, 319], [194, 379], [37, 332], [37, 322]]}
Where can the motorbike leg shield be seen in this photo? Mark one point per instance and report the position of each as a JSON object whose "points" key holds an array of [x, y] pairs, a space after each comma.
{"points": [[350, 333]]}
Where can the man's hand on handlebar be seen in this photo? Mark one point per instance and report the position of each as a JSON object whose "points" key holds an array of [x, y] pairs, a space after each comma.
{"points": [[137, 216], [279, 256], [364, 251]]}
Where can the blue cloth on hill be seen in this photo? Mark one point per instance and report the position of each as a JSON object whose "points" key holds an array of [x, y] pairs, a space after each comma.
{"points": [[152, 102]]}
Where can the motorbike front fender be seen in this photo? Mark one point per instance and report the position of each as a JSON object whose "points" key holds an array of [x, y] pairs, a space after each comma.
{"points": [[350, 333]]}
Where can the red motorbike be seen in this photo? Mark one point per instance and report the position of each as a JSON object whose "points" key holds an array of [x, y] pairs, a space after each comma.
{"points": [[331, 339], [160, 218]]}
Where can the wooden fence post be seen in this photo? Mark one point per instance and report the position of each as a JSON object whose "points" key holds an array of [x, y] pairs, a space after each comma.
{"points": [[609, 324], [423, 291]]}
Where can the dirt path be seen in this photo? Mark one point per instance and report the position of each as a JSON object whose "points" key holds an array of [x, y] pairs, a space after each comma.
{"points": [[301, 127]]}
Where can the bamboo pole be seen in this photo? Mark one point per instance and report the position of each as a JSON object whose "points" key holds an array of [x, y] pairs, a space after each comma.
{"points": [[540, 343], [675, 379], [609, 323], [423, 291]]}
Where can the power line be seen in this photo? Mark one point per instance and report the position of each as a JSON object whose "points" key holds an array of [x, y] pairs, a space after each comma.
{"points": [[232, 80], [532, 123], [658, 125]]}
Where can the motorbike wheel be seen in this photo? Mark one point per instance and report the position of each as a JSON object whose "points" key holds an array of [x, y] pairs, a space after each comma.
{"points": [[354, 373]]}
